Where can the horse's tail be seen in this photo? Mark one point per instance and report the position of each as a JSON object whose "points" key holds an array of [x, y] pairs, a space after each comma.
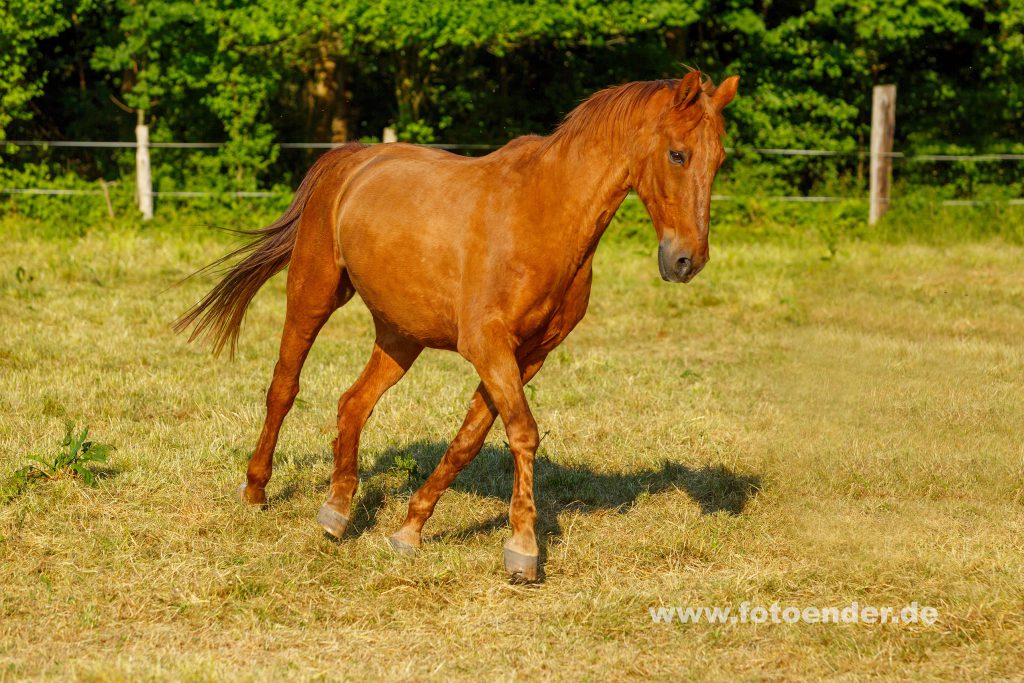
{"points": [[218, 315]]}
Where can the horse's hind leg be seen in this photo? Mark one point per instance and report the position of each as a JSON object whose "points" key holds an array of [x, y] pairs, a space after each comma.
{"points": [[391, 357], [317, 286]]}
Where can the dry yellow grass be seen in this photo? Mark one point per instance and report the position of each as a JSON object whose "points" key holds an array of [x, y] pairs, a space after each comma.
{"points": [[784, 429]]}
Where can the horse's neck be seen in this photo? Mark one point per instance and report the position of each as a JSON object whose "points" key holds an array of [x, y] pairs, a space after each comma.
{"points": [[591, 180]]}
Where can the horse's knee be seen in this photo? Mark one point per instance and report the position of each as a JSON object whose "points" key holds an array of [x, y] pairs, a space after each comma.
{"points": [[345, 404], [353, 412], [523, 437], [282, 392]]}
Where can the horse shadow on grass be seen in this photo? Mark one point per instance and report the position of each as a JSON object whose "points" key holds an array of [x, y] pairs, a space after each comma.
{"points": [[557, 487]]}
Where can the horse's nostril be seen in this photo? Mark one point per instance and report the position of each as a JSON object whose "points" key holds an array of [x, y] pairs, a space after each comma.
{"points": [[683, 263]]}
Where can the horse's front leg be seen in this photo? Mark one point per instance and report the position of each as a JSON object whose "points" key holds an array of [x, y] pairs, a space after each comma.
{"points": [[462, 450], [494, 358]]}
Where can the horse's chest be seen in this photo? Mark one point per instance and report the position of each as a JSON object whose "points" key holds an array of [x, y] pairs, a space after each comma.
{"points": [[567, 311]]}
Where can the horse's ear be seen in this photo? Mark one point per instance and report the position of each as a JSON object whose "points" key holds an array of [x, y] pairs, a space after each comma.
{"points": [[725, 92], [688, 90]]}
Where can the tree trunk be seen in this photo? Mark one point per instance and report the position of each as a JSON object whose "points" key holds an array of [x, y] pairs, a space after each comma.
{"points": [[327, 96], [410, 87]]}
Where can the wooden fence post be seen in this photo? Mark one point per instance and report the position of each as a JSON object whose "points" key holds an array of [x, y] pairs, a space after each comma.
{"points": [[105, 186], [143, 181], [390, 135], [883, 126]]}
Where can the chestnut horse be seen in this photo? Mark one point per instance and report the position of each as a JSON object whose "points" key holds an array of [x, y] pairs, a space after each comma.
{"points": [[490, 257]]}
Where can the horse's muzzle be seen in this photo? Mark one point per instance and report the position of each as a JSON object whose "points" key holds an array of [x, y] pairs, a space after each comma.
{"points": [[677, 265]]}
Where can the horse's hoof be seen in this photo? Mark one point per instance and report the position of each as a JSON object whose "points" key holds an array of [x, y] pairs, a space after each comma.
{"points": [[332, 521], [521, 568], [402, 548], [245, 497]]}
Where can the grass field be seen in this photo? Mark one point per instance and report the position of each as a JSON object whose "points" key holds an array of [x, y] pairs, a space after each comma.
{"points": [[790, 428]]}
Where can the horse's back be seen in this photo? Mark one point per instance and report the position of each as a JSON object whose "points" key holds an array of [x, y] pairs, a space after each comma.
{"points": [[416, 226]]}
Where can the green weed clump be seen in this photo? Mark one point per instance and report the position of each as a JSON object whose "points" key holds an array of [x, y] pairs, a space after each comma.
{"points": [[406, 466], [72, 459]]}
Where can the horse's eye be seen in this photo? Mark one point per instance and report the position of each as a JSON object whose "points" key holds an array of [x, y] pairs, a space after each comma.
{"points": [[677, 157]]}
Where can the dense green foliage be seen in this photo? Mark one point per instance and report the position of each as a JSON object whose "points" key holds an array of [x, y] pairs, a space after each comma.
{"points": [[251, 72]]}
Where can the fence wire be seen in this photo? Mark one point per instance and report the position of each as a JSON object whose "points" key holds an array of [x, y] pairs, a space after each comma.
{"points": [[766, 151]]}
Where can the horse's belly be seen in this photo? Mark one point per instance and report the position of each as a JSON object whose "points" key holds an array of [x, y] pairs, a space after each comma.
{"points": [[428, 319], [408, 278]]}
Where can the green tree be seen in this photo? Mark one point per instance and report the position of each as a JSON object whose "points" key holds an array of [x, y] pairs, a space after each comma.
{"points": [[250, 72], [23, 25]]}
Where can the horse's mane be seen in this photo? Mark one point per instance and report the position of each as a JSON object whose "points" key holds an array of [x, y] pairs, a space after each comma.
{"points": [[615, 107]]}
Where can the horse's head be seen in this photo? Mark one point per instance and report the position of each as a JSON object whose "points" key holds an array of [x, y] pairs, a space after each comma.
{"points": [[676, 161]]}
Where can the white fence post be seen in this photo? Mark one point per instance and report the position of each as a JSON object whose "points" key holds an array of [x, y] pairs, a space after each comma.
{"points": [[143, 181], [883, 126], [390, 135]]}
